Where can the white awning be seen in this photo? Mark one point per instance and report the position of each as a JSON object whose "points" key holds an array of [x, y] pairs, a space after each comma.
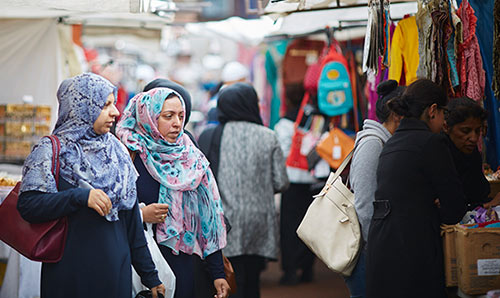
{"points": [[73, 5], [250, 32], [305, 22]]}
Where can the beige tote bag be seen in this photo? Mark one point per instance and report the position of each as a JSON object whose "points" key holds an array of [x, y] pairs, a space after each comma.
{"points": [[330, 227]]}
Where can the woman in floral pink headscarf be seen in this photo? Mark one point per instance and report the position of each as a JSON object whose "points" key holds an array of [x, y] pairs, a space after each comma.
{"points": [[174, 172]]}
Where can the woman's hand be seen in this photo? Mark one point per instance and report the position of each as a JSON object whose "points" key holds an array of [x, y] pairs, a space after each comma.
{"points": [[154, 213], [494, 202], [99, 201], [158, 289], [222, 288]]}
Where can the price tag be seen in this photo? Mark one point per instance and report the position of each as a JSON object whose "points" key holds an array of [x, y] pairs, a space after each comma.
{"points": [[337, 152], [487, 267], [308, 142]]}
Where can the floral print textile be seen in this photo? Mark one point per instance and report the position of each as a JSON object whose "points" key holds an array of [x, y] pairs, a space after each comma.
{"points": [[195, 218]]}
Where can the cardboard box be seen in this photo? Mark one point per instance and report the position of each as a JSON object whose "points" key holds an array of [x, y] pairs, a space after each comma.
{"points": [[494, 187], [478, 259], [450, 255]]}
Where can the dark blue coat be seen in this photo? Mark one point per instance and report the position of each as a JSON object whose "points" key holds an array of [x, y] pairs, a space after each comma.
{"points": [[98, 253]]}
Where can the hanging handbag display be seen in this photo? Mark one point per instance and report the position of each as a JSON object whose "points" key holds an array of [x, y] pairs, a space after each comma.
{"points": [[296, 159], [42, 242], [335, 147], [330, 227]]}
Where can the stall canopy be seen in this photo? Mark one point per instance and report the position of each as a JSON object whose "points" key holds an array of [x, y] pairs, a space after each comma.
{"points": [[282, 7], [36, 6], [299, 22], [250, 32]]}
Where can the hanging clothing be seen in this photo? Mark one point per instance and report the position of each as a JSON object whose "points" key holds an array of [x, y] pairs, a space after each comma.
{"points": [[195, 223], [274, 60], [424, 24], [485, 22], [372, 39], [472, 75], [441, 33], [496, 49], [455, 39], [404, 51]]}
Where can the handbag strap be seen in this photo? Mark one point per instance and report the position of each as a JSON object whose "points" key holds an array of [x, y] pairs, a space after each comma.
{"points": [[333, 176], [56, 149], [303, 104], [342, 166]]}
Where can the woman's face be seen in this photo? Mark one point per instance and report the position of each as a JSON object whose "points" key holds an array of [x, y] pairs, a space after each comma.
{"points": [[107, 117], [465, 135], [171, 119]]}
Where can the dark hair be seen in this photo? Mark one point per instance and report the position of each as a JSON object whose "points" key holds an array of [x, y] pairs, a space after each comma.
{"points": [[420, 95], [387, 90], [463, 108]]}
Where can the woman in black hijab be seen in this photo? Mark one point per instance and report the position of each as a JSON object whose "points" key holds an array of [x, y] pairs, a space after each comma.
{"points": [[239, 103], [250, 168]]}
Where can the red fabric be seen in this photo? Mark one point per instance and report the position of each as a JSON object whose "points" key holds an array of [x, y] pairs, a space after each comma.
{"points": [[470, 63], [121, 100]]}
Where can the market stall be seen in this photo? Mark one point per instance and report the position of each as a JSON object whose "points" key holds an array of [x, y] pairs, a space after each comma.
{"points": [[391, 50]]}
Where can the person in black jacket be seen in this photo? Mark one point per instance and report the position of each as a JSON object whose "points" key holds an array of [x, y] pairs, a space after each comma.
{"points": [[417, 190], [463, 126]]}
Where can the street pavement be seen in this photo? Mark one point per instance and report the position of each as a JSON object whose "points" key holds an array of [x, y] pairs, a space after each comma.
{"points": [[326, 284]]}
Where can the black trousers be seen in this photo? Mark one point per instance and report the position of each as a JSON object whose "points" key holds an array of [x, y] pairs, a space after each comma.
{"points": [[183, 267], [294, 253], [247, 269]]}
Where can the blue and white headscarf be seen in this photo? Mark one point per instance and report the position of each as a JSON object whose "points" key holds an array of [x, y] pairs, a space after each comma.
{"points": [[88, 160]]}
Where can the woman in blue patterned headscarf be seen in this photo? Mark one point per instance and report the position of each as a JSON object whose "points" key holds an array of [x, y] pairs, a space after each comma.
{"points": [[96, 192]]}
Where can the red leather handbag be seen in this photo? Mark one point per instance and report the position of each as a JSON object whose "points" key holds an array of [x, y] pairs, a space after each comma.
{"points": [[42, 242]]}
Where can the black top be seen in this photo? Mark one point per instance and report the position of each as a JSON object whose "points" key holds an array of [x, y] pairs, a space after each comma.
{"points": [[98, 253], [147, 192], [470, 171], [404, 243]]}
